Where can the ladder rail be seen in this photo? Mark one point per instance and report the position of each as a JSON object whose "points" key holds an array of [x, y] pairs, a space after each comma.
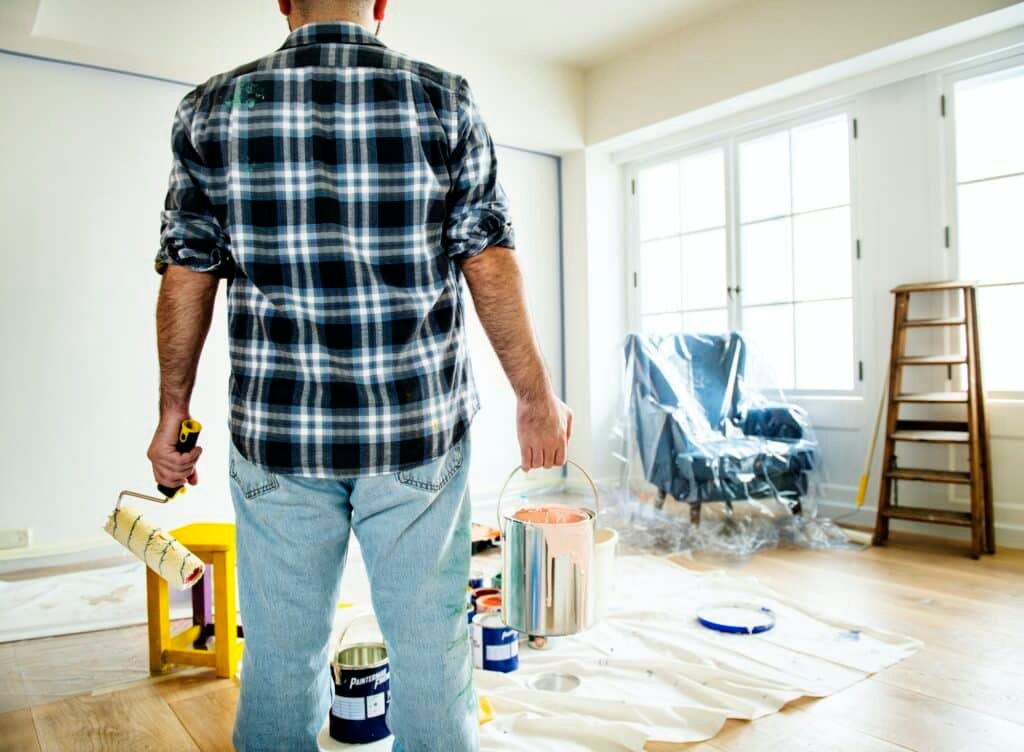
{"points": [[973, 448]]}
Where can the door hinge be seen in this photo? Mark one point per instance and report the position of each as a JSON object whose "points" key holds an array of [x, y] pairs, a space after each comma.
{"points": [[632, 187], [946, 233], [942, 105], [858, 249], [860, 370], [855, 127], [634, 279]]}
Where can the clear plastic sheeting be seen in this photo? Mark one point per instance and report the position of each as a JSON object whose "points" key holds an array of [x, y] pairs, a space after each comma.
{"points": [[712, 459]]}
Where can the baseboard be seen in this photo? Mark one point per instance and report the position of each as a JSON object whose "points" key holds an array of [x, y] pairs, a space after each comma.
{"points": [[71, 553], [847, 513]]}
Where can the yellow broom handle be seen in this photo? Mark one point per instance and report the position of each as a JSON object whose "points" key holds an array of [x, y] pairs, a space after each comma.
{"points": [[862, 489]]}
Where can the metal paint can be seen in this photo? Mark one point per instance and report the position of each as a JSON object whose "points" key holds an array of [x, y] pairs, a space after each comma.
{"points": [[485, 604], [548, 564], [495, 646], [362, 692], [478, 579], [482, 591]]}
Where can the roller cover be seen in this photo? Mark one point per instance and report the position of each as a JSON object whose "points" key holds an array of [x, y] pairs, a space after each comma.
{"points": [[157, 548]]}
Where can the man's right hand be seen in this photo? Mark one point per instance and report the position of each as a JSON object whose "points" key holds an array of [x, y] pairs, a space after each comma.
{"points": [[545, 427], [171, 468]]}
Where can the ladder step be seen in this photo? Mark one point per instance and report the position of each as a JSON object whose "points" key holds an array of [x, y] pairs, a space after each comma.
{"points": [[951, 321], [923, 514], [928, 475], [936, 397], [931, 436], [932, 360], [950, 284]]}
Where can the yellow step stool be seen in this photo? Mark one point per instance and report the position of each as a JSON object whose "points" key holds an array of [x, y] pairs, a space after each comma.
{"points": [[214, 543]]}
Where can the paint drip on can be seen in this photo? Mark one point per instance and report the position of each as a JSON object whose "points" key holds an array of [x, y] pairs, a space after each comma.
{"points": [[495, 646]]}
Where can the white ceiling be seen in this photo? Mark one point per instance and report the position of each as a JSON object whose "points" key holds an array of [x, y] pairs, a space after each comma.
{"points": [[576, 32]]}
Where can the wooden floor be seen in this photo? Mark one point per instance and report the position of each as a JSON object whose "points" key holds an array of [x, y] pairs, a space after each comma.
{"points": [[963, 691]]}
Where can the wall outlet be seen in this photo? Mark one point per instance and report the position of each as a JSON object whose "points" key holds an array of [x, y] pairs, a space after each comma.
{"points": [[15, 538]]}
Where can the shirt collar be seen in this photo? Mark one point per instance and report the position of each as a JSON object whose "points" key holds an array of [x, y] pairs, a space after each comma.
{"points": [[330, 32]]}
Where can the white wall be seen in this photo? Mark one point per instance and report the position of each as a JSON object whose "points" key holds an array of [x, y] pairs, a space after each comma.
{"points": [[748, 46]]}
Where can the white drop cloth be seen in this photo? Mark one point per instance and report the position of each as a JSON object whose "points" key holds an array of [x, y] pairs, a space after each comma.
{"points": [[651, 671], [83, 601]]}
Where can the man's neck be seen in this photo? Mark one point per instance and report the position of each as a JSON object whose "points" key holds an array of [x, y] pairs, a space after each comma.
{"points": [[307, 20]]}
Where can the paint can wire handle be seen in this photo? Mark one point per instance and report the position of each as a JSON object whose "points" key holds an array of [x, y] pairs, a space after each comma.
{"points": [[341, 637], [517, 468]]}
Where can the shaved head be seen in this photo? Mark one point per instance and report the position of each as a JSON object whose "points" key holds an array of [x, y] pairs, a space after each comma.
{"points": [[364, 12]]}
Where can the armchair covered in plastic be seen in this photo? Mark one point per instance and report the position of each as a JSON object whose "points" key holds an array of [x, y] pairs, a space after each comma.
{"points": [[703, 434]]}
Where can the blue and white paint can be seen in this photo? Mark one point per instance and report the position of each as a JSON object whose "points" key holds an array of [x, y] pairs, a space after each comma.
{"points": [[495, 646], [362, 694]]}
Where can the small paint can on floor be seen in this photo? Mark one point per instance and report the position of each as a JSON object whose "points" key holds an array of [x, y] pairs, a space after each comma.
{"points": [[495, 646], [362, 693], [485, 604], [478, 579]]}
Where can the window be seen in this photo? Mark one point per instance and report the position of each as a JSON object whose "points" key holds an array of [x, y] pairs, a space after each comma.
{"points": [[988, 123], [683, 245], [769, 253], [795, 253]]}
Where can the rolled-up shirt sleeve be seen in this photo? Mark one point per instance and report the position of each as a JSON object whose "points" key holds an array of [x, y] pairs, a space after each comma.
{"points": [[478, 211], [191, 235]]}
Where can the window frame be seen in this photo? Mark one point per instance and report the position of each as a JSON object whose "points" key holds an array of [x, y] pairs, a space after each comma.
{"points": [[948, 79], [729, 141]]}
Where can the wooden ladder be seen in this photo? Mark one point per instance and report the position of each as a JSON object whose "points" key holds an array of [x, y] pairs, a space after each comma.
{"points": [[973, 431]]}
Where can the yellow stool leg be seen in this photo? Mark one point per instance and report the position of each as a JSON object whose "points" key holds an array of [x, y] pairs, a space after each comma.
{"points": [[225, 613], [158, 611]]}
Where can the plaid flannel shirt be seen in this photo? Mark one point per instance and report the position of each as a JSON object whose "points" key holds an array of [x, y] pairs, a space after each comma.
{"points": [[337, 184]]}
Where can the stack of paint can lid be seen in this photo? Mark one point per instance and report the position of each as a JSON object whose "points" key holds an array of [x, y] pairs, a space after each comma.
{"points": [[495, 646]]}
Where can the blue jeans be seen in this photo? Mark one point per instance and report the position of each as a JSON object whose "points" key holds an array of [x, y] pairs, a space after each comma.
{"points": [[414, 531]]}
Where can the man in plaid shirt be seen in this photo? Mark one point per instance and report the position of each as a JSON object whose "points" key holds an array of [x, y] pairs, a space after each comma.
{"points": [[344, 191]]}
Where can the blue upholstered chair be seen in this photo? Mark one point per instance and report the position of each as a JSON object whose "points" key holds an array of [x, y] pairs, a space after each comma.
{"points": [[702, 434]]}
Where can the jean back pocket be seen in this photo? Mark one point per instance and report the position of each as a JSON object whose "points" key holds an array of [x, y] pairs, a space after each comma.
{"points": [[252, 480]]}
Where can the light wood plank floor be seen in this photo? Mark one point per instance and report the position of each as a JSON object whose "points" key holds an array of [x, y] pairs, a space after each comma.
{"points": [[963, 691]]}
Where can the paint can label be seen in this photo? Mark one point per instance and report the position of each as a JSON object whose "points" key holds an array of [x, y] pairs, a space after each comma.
{"points": [[359, 705]]}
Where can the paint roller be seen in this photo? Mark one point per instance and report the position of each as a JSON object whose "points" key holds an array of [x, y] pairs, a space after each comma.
{"points": [[160, 551]]}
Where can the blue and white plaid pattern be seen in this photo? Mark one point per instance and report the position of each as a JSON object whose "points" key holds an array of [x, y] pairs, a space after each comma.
{"points": [[337, 184]]}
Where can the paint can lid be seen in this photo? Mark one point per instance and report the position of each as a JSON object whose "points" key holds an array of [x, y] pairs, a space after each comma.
{"points": [[736, 618]]}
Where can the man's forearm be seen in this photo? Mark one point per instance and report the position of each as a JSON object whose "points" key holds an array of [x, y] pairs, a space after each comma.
{"points": [[183, 314], [496, 285]]}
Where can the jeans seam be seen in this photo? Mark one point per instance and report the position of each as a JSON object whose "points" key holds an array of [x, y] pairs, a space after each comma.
{"points": [[267, 487]]}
